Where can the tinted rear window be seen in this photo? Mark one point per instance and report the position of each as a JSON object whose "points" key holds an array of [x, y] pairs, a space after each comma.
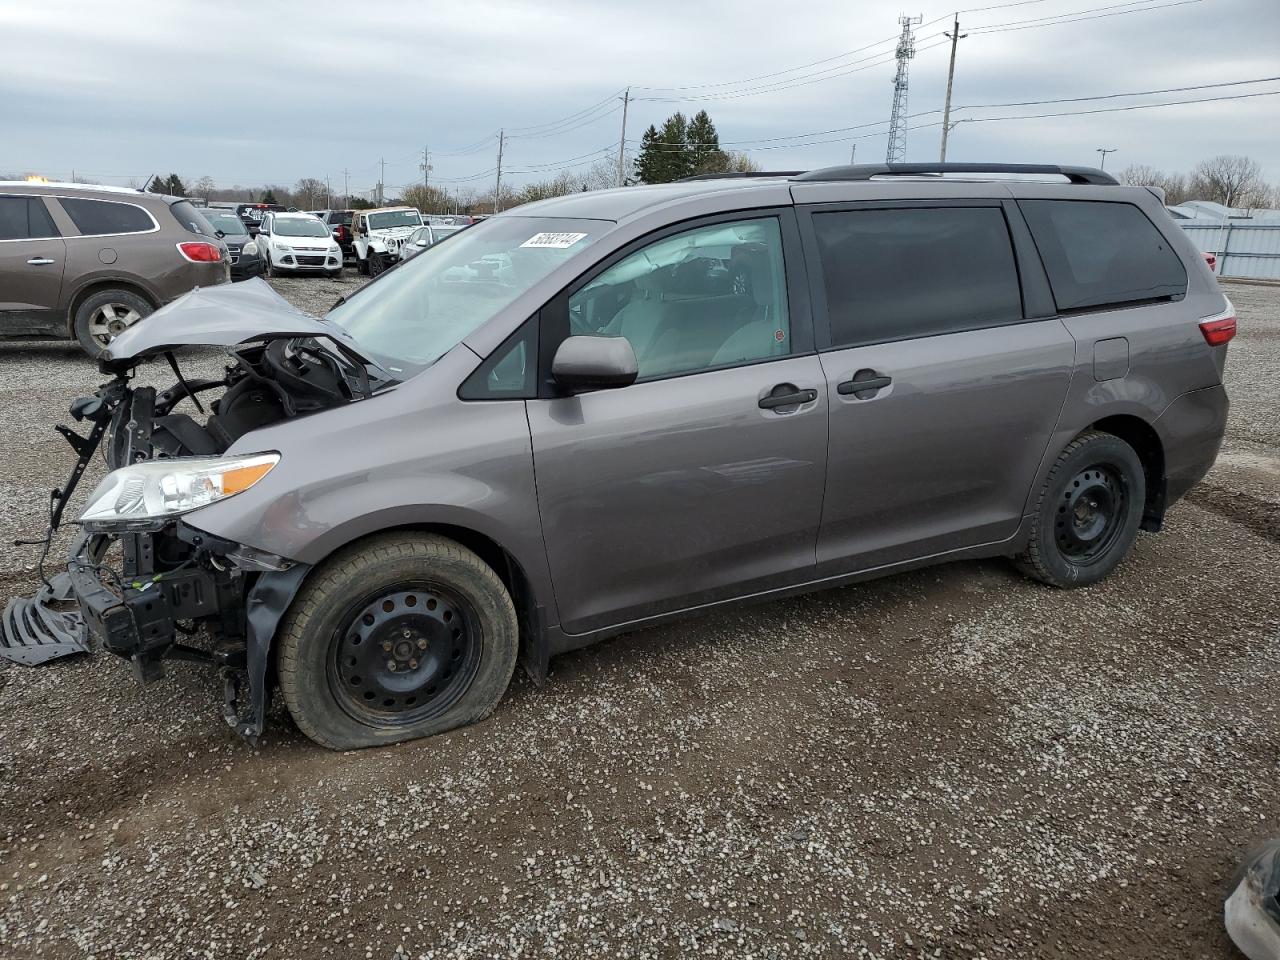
{"points": [[1100, 253], [903, 273], [25, 218], [106, 216], [191, 219]]}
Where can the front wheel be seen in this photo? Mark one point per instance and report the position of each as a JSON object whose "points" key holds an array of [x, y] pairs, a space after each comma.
{"points": [[398, 637], [1088, 512], [377, 263]]}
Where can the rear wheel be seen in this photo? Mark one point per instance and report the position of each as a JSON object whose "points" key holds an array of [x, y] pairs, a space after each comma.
{"points": [[399, 637], [376, 263], [105, 315], [1088, 513]]}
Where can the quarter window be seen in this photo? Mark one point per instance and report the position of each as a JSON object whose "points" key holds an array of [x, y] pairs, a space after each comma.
{"points": [[902, 273], [1102, 253], [25, 218], [711, 297], [93, 217]]}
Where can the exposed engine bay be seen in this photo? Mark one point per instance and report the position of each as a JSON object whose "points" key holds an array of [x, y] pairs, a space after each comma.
{"points": [[147, 588]]}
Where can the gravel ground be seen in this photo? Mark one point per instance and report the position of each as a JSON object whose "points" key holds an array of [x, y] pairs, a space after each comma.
{"points": [[949, 763]]}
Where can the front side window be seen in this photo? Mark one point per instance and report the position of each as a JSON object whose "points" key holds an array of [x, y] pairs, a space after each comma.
{"points": [[714, 296], [1101, 253], [414, 314], [94, 217], [228, 223], [902, 273], [394, 218], [289, 227], [25, 218]]}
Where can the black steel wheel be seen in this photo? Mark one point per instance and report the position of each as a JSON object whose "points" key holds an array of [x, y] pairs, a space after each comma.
{"points": [[406, 653], [376, 263], [1088, 512], [398, 636]]}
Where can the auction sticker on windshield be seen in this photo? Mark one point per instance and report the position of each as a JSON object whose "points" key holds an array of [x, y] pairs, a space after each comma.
{"points": [[553, 241]]}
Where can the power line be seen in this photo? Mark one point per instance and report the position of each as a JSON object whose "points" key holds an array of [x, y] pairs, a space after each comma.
{"points": [[1113, 96], [1078, 19]]}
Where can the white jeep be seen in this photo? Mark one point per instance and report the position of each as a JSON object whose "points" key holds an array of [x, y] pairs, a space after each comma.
{"points": [[378, 235]]}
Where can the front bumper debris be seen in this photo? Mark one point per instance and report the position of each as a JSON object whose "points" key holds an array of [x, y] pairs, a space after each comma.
{"points": [[1252, 908], [43, 627]]}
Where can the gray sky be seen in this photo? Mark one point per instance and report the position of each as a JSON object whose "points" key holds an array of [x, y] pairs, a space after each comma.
{"points": [[120, 90]]}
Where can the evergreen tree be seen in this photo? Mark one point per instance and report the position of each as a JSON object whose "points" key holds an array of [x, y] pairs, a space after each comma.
{"points": [[268, 196], [704, 145], [158, 184], [649, 163], [673, 147]]}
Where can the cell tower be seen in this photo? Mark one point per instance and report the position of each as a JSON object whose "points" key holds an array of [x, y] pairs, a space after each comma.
{"points": [[897, 152]]}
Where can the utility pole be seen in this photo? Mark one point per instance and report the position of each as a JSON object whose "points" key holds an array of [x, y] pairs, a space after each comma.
{"points": [[622, 142], [497, 186], [382, 179], [956, 36], [346, 186], [1104, 151], [426, 166], [328, 195], [897, 151]]}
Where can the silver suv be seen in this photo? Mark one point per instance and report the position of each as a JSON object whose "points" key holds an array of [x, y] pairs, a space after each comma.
{"points": [[598, 412], [86, 262]]}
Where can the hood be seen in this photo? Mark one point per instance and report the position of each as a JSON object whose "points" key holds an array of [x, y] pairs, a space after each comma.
{"points": [[220, 316]]}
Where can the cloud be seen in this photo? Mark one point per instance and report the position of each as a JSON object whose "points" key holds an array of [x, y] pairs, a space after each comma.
{"points": [[272, 91]]}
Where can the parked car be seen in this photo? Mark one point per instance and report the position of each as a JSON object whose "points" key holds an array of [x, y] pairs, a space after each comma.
{"points": [[339, 222], [420, 239], [252, 214], [85, 262], [601, 411], [298, 243], [378, 234], [242, 249]]}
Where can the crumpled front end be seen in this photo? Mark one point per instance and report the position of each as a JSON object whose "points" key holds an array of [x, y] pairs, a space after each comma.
{"points": [[1252, 907], [143, 582]]}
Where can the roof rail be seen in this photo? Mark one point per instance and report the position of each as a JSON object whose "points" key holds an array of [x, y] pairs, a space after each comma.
{"points": [[866, 171], [741, 175]]}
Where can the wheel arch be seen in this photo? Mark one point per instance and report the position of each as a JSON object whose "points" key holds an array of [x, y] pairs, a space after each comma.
{"points": [[534, 651], [1146, 443]]}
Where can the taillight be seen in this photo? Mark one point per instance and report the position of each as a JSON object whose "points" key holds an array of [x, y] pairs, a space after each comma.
{"points": [[1219, 328], [197, 251], [1211, 260]]}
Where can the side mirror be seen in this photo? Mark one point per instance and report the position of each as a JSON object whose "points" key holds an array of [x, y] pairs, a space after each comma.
{"points": [[582, 364]]}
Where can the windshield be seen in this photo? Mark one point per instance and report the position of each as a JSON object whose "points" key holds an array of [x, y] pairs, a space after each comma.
{"points": [[299, 228], [394, 218], [228, 223], [422, 309]]}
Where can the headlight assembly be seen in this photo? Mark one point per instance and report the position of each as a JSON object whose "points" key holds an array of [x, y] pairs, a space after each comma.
{"points": [[250, 249], [145, 495]]}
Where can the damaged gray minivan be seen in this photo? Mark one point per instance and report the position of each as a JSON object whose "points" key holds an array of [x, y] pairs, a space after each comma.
{"points": [[597, 412]]}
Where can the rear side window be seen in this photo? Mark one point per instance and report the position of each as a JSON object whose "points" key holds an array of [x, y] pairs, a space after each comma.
{"points": [[25, 218], [106, 216], [902, 273], [191, 219], [1100, 253]]}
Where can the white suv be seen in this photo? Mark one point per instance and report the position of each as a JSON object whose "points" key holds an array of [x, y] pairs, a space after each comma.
{"points": [[377, 236], [298, 243]]}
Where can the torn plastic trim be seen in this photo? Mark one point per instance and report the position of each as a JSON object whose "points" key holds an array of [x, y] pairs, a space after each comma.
{"points": [[268, 599]]}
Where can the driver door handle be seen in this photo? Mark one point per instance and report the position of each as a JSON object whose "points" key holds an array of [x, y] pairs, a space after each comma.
{"points": [[39, 261], [789, 399]]}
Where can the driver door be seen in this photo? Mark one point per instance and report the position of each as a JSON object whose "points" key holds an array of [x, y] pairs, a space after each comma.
{"points": [[702, 480]]}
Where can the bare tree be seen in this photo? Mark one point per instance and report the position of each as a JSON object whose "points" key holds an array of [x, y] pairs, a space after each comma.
{"points": [[1174, 185], [428, 199], [557, 186], [204, 187], [309, 193], [1230, 179], [603, 174]]}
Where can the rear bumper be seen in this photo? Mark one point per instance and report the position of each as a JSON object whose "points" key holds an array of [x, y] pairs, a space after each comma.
{"points": [[1191, 430]]}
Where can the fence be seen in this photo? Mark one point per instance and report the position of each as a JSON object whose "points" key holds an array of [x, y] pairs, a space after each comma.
{"points": [[1244, 250]]}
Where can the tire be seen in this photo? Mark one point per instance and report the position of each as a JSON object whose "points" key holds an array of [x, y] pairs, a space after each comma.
{"points": [[1087, 514], [271, 270], [334, 274], [106, 314], [398, 637], [362, 265], [377, 263]]}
